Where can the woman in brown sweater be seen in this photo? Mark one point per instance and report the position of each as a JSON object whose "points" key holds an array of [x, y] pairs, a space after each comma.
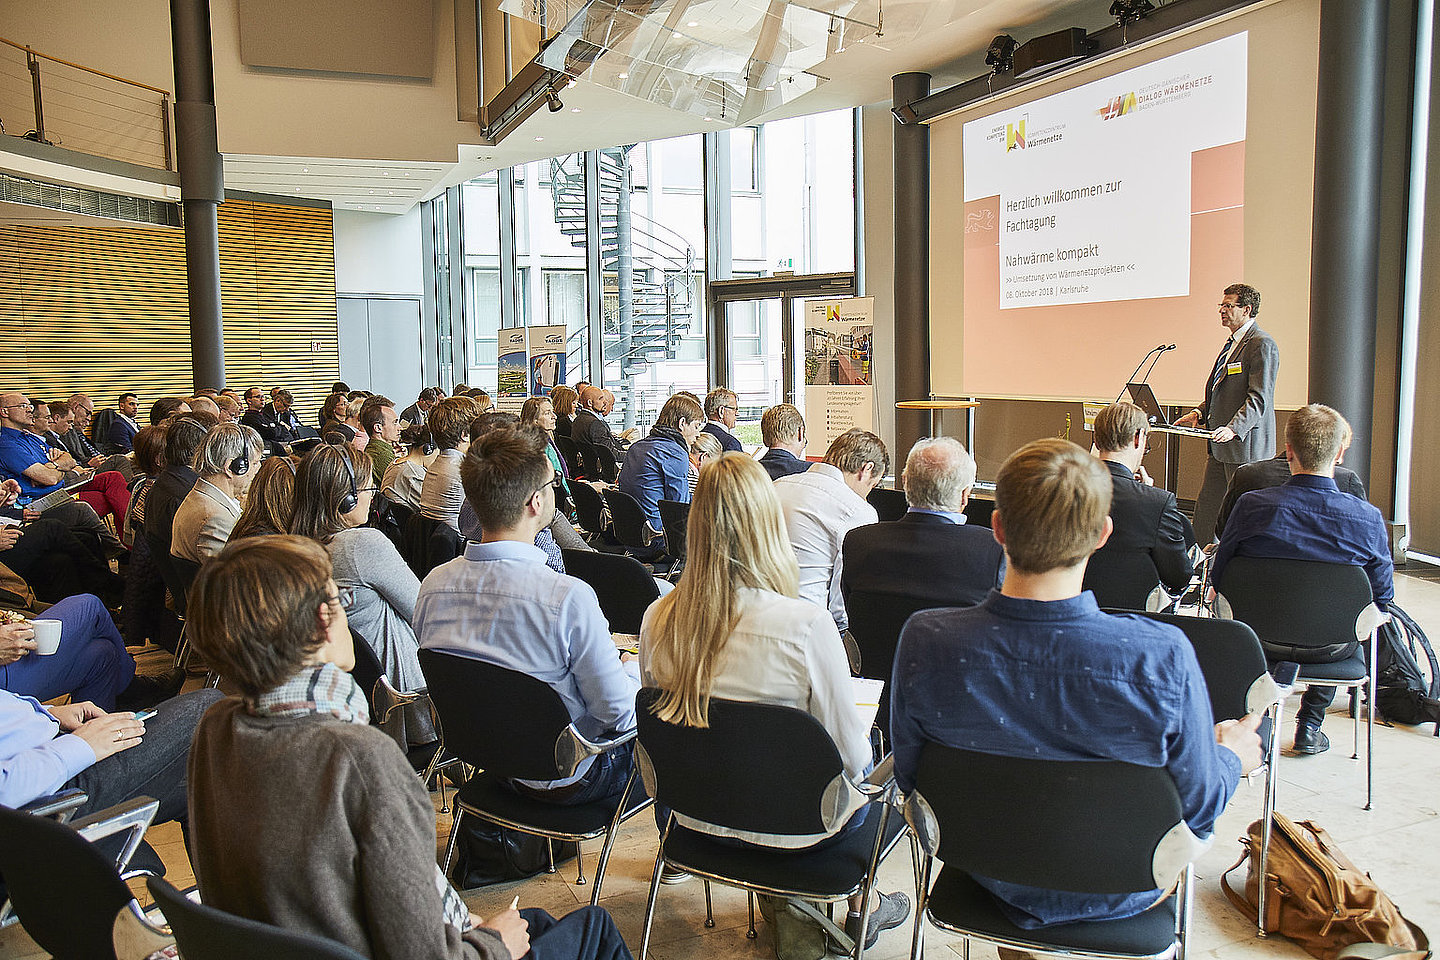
{"points": [[305, 816]]}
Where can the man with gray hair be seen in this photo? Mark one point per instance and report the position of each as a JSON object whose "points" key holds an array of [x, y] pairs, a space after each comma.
{"points": [[722, 407], [929, 556]]}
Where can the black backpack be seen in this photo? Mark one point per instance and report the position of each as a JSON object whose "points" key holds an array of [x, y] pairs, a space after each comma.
{"points": [[1407, 690]]}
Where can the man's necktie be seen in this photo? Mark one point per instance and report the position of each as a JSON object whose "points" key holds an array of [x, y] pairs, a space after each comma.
{"points": [[1218, 372]]}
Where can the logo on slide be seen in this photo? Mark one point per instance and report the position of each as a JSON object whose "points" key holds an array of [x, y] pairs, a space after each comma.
{"points": [[1015, 136], [1118, 107]]}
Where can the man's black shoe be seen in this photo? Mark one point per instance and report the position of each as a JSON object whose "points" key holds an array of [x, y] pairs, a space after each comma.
{"points": [[147, 690], [1310, 741]]}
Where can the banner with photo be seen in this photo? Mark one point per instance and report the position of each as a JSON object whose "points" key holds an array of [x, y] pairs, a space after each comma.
{"points": [[547, 359], [839, 391], [512, 373]]}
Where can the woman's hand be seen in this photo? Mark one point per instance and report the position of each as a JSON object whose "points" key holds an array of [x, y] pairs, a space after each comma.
{"points": [[16, 640]]}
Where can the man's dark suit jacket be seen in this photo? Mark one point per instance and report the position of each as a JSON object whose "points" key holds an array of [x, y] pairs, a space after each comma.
{"points": [[728, 441], [588, 428], [122, 434], [164, 498], [1148, 521], [782, 463], [924, 557], [1271, 473]]}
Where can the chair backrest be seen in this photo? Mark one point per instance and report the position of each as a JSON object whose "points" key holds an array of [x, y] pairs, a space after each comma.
{"points": [[627, 519], [623, 586], [444, 545], [571, 453], [605, 463], [589, 507], [66, 892], [100, 432], [585, 450], [978, 511], [1086, 826], [1302, 610], [675, 518], [1121, 579], [205, 933], [415, 542], [501, 720], [889, 504], [876, 620], [165, 563], [390, 518], [367, 670], [758, 768]]}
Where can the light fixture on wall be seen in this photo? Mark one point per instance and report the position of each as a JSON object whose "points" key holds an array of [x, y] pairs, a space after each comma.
{"points": [[1128, 11], [1001, 55]]}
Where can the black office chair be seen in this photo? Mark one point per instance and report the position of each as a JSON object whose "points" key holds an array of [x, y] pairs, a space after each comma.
{"points": [[605, 465], [772, 775], [514, 727], [1099, 827], [585, 452], [68, 893], [1126, 581], [390, 518], [876, 620], [889, 504], [623, 586], [571, 453], [1314, 614], [589, 509], [627, 522], [425, 546], [675, 519], [1238, 679], [978, 510], [205, 933]]}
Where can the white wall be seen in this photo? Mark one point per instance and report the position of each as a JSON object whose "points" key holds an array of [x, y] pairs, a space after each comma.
{"points": [[378, 253]]}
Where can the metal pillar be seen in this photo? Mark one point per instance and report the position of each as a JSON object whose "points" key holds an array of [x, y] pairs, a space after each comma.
{"points": [[912, 263], [625, 281], [202, 184], [1345, 242]]}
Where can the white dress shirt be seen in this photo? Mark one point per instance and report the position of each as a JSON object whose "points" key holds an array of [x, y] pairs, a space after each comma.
{"points": [[819, 509]]}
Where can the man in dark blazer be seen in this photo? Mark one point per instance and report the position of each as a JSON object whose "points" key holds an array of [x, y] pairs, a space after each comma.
{"points": [[1239, 406], [722, 409], [1147, 520], [782, 428]]}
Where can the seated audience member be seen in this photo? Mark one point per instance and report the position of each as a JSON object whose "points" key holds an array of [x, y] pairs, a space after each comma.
{"points": [[1274, 472], [382, 431], [210, 392], [183, 436], [1122, 688], [658, 467], [703, 449], [539, 412], [123, 426], [333, 491], [270, 501], [1146, 518], [229, 408], [442, 494], [826, 502], [75, 443], [562, 398], [225, 464], [368, 878], [722, 406], [1308, 518], [84, 410], [90, 665], [500, 603], [143, 615], [416, 412], [47, 749], [404, 479], [482, 399], [276, 437], [929, 554], [48, 555], [203, 404], [589, 425], [734, 627], [334, 410], [39, 470], [782, 430], [167, 407]]}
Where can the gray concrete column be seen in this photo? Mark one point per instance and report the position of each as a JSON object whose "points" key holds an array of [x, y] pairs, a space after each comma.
{"points": [[912, 265]]}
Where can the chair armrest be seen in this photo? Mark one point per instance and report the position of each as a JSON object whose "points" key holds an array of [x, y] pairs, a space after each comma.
{"points": [[132, 817], [58, 805], [572, 748], [1368, 621], [881, 777]]}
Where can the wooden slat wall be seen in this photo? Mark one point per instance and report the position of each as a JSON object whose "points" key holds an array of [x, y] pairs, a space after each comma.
{"points": [[101, 310]]}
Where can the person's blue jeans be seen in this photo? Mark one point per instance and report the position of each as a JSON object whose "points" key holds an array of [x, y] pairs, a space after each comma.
{"points": [[587, 933], [91, 663], [605, 779]]}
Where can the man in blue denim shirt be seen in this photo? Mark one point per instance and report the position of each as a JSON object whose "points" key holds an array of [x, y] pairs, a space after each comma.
{"points": [[1038, 671], [1308, 518]]}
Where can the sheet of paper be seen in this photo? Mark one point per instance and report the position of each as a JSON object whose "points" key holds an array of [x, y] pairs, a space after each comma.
{"points": [[867, 698]]}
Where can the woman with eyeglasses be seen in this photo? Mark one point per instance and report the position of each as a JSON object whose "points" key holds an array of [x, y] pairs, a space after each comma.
{"points": [[333, 490], [318, 777]]}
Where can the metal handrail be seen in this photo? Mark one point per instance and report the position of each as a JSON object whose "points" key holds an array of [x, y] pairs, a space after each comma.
{"points": [[78, 66]]}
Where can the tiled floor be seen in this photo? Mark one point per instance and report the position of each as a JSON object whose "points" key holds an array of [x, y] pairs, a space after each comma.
{"points": [[1396, 842]]}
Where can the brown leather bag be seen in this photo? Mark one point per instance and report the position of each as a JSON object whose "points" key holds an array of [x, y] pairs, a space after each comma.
{"points": [[1318, 898]]}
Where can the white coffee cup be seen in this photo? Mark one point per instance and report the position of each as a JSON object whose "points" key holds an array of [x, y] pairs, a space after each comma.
{"points": [[47, 636]]}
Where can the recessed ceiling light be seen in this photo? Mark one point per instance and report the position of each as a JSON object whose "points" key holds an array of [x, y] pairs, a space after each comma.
{"points": [[771, 87], [709, 119], [538, 139], [372, 191], [407, 173], [305, 170], [623, 75], [693, 23], [574, 109]]}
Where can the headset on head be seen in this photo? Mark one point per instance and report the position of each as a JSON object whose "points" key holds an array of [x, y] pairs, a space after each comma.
{"points": [[351, 500]]}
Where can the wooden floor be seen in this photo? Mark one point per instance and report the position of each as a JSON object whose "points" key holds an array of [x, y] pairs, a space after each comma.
{"points": [[1396, 842]]}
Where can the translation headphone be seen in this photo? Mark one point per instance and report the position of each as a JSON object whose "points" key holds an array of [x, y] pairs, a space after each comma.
{"points": [[241, 464], [351, 500]]}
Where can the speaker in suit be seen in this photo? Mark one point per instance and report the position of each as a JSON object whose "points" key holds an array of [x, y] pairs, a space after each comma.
{"points": [[1149, 527], [1239, 405]]}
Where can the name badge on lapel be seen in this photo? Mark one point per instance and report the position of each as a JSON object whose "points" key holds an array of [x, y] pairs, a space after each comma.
{"points": [[1232, 368]]}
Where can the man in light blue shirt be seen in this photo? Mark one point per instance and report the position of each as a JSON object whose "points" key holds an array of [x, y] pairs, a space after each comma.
{"points": [[500, 603]]}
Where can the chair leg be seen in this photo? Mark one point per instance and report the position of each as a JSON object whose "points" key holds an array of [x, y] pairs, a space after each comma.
{"points": [[1355, 725], [922, 895], [750, 933], [579, 865], [709, 913], [1370, 725], [610, 835], [1186, 912], [549, 855], [1267, 813], [650, 901], [452, 842]]}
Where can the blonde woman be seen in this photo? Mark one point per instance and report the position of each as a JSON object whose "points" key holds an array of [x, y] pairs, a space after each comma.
{"points": [[734, 627], [703, 449]]}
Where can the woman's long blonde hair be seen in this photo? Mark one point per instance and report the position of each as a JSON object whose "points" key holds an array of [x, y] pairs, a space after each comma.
{"points": [[736, 538]]}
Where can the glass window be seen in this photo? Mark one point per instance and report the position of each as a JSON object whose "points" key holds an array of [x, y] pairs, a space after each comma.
{"points": [[550, 263], [745, 159], [481, 244]]}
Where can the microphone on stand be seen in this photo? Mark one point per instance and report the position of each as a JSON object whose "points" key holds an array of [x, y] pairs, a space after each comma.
{"points": [[1152, 352], [1163, 349]]}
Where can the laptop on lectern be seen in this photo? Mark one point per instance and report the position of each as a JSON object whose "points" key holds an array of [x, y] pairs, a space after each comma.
{"points": [[1143, 397]]}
